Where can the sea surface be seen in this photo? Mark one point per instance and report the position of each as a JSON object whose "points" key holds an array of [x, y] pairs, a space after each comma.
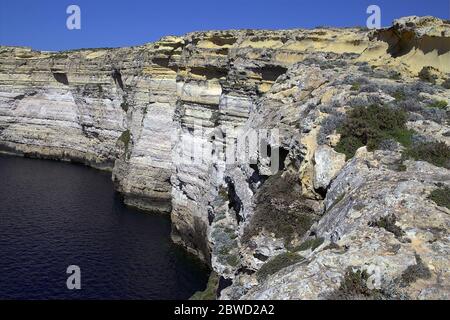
{"points": [[54, 214]]}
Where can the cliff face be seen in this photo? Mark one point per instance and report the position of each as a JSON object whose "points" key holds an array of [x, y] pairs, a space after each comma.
{"points": [[325, 216]]}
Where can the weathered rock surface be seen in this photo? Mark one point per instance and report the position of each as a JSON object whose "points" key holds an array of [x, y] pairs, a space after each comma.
{"points": [[364, 193], [327, 164], [289, 218]]}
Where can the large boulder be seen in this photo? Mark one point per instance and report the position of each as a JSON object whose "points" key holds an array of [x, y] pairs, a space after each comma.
{"points": [[327, 165]]}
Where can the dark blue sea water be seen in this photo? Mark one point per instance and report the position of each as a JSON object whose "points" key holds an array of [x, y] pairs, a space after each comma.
{"points": [[55, 214]]}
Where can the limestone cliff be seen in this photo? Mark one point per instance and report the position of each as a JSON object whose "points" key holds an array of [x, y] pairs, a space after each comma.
{"points": [[338, 209]]}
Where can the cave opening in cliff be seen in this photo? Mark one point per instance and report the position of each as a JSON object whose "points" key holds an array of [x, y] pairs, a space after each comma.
{"points": [[117, 76], [165, 63], [209, 72], [270, 72], [234, 202], [61, 78], [283, 153]]}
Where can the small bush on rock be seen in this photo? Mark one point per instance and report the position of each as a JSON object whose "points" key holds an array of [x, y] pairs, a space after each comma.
{"points": [[125, 137], [211, 289], [280, 210], [441, 196], [354, 287], [414, 272], [437, 153], [399, 95], [388, 223], [438, 104], [395, 75], [124, 106], [277, 263], [310, 244], [370, 126], [355, 87]]}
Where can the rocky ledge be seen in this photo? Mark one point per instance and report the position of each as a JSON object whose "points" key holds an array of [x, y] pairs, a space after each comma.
{"points": [[346, 194]]}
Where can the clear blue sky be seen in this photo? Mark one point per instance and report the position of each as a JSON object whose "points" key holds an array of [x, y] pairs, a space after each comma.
{"points": [[41, 24]]}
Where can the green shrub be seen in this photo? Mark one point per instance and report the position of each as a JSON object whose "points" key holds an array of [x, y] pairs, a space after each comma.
{"points": [[354, 286], [441, 196], [233, 260], [309, 244], [332, 246], [223, 193], [414, 272], [403, 136], [283, 225], [348, 146], [210, 293], [355, 87], [125, 137], [25, 55], [277, 263], [438, 104], [437, 153], [388, 223], [280, 210], [399, 95], [59, 56], [370, 126]]}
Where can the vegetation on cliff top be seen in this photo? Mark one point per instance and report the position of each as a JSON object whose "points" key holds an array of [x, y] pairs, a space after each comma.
{"points": [[369, 126], [372, 126]]}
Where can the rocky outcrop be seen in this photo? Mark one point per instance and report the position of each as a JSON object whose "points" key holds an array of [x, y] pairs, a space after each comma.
{"points": [[240, 135], [379, 223], [419, 42], [327, 164], [102, 107]]}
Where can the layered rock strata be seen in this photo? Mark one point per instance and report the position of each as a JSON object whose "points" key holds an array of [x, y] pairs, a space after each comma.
{"points": [[288, 216]]}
